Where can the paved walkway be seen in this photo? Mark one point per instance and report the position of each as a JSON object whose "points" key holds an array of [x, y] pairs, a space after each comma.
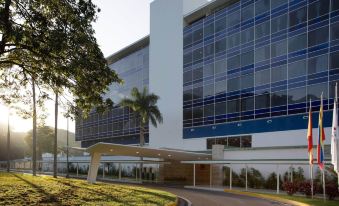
{"points": [[216, 198]]}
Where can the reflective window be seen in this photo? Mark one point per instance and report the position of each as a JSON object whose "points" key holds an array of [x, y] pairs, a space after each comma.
{"points": [[220, 108], [276, 3], [247, 104], [209, 110], [247, 35], [209, 70], [318, 8], [197, 74], [220, 87], [299, 16], [220, 24], [263, 53], [233, 62], [335, 5], [297, 95], [209, 30], [233, 40], [233, 106], [233, 142], [262, 30], [246, 141], [197, 54], [247, 58], [314, 91], [197, 93], [188, 58], [233, 19], [188, 39], [187, 114], [208, 90], [262, 6], [220, 45], [262, 77], [318, 36], [197, 35], [334, 60], [297, 69], [233, 84], [247, 13], [209, 50], [297, 43], [279, 98], [220, 66], [335, 31], [247, 81], [279, 73], [188, 76], [198, 112], [188, 95], [318, 64], [279, 48], [262, 101], [279, 23]]}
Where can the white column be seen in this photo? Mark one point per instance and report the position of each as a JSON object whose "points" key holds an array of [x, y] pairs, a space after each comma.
{"points": [[210, 175], [246, 178], [278, 180], [119, 171], [77, 169], [103, 170], [230, 177], [194, 175], [93, 167]]}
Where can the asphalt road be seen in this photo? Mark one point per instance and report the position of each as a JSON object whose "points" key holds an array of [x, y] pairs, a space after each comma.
{"points": [[215, 198]]}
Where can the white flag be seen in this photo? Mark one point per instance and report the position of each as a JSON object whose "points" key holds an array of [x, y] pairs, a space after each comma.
{"points": [[334, 136]]}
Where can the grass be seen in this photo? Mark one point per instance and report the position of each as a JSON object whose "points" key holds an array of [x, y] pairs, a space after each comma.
{"points": [[24, 189], [292, 200]]}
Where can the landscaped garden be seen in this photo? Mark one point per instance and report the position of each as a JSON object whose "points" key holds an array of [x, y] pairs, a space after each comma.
{"points": [[24, 189]]}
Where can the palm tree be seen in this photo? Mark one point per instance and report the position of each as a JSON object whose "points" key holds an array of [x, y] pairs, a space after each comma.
{"points": [[145, 108]]}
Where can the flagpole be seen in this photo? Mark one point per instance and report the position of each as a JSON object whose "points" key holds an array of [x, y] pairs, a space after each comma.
{"points": [[311, 162], [337, 142], [323, 170]]}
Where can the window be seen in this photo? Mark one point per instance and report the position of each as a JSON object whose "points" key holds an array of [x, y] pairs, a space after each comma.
{"points": [[188, 76], [197, 93], [318, 64], [279, 48], [209, 50], [233, 62], [220, 45], [247, 58], [220, 24], [233, 106], [220, 108], [279, 73], [297, 95], [247, 81], [314, 91], [279, 98], [233, 142], [335, 31], [247, 35], [335, 5], [246, 141], [208, 90], [220, 87], [262, 77], [187, 114], [188, 58], [197, 35], [262, 101], [188, 95], [262, 30], [277, 3], [318, 36], [197, 74], [247, 13], [209, 110], [233, 40], [209, 30], [233, 84], [262, 6], [297, 43], [208, 70], [220, 66], [233, 19], [197, 112], [197, 54], [263, 53], [297, 17], [318, 8], [334, 60], [279, 23], [297, 69], [187, 39], [247, 104]]}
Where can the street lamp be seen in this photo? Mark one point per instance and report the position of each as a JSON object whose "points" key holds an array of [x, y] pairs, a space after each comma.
{"points": [[67, 151], [8, 143]]}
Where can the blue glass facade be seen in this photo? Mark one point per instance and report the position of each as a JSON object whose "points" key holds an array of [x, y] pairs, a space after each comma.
{"points": [[118, 125], [255, 60]]}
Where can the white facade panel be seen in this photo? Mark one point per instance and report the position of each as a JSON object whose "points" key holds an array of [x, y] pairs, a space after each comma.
{"points": [[191, 5], [165, 71]]}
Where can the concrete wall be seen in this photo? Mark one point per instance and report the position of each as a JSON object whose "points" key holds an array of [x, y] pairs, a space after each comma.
{"points": [[165, 72], [191, 5]]}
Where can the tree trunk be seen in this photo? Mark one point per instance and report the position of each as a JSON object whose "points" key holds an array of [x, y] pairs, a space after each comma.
{"points": [[55, 151], [142, 143], [7, 25], [34, 130], [8, 144]]}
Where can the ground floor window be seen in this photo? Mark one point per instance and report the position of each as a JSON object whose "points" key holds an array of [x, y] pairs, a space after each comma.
{"points": [[231, 142]]}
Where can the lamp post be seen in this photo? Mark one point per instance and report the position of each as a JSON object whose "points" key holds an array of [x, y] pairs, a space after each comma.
{"points": [[8, 143], [67, 151]]}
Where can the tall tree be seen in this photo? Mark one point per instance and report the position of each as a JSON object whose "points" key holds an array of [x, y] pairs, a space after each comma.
{"points": [[55, 150], [144, 106], [44, 142]]}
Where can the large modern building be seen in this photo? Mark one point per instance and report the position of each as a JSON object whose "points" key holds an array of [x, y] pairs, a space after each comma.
{"points": [[240, 73]]}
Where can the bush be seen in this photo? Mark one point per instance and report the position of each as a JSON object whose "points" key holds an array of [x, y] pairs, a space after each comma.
{"points": [[271, 182], [306, 188], [331, 191], [290, 187], [236, 180], [255, 179]]}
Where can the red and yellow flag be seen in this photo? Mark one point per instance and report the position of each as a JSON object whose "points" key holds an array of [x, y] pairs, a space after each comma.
{"points": [[321, 138], [310, 136]]}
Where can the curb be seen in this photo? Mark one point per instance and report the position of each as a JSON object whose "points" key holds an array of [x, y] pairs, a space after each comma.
{"points": [[181, 201], [268, 197]]}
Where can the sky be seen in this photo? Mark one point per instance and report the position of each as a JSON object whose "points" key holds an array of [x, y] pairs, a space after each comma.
{"points": [[120, 23]]}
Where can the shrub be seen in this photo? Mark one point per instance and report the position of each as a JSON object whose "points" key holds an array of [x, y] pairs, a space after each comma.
{"points": [[331, 190], [271, 182], [290, 187], [255, 179], [306, 188]]}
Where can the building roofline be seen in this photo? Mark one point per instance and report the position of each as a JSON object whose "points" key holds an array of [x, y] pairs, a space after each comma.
{"points": [[129, 49]]}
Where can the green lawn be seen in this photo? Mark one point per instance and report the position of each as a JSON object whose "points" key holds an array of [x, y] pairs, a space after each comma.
{"points": [[315, 202], [24, 189]]}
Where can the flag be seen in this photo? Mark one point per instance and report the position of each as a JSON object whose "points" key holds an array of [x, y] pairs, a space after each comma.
{"points": [[321, 137], [334, 135], [310, 136]]}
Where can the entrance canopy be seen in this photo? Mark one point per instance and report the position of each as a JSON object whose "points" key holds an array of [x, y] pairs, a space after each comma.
{"points": [[137, 151]]}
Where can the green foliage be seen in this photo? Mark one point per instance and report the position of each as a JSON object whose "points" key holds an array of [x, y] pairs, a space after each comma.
{"points": [[18, 189], [271, 181], [255, 178], [44, 141]]}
